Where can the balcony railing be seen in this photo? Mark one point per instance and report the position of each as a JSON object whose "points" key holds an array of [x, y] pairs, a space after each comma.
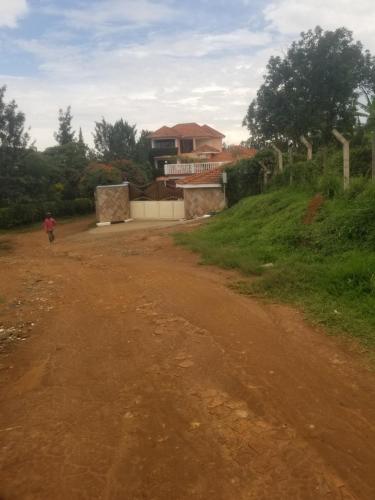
{"points": [[155, 152], [191, 168]]}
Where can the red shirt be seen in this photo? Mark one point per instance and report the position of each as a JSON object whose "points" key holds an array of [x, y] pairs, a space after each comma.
{"points": [[49, 224]]}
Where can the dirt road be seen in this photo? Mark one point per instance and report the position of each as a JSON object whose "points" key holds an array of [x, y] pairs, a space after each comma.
{"points": [[131, 372]]}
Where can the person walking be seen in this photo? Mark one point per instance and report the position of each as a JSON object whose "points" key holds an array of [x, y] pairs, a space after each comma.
{"points": [[49, 226]]}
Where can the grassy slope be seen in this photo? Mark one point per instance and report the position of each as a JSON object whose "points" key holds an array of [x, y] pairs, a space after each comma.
{"points": [[327, 267]]}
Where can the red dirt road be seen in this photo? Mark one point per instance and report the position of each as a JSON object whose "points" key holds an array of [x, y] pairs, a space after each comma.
{"points": [[134, 373]]}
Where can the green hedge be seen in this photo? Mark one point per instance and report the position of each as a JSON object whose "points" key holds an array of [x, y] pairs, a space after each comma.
{"points": [[28, 213], [245, 177]]}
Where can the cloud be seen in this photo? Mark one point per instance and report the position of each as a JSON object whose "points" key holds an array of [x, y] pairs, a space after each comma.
{"points": [[194, 44], [156, 89], [11, 11], [290, 17], [112, 12], [205, 70]]}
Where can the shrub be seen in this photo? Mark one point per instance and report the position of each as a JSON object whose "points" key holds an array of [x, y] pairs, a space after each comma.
{"points": [[303, 174], [245, 177], [330, 185], [99, 174], [29, 213]]}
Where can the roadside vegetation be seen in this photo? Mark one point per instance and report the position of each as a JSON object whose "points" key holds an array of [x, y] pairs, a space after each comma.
{"points": [[319, 257], [62, 178], [301, 237]]}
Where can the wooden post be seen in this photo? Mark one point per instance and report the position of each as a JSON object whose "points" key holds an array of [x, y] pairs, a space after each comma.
{"points": [[279, 157], [308, 145], [345, 147], [373, 155]]}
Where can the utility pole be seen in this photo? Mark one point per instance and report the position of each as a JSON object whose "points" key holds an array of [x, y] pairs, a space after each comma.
{"points": [[279, 157], [308, 146], [346, 155]]}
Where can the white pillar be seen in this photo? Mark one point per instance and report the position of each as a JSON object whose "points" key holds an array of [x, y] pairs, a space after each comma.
{"points": [[308, 145], [266, 172], [346, 155], [279, 157]]}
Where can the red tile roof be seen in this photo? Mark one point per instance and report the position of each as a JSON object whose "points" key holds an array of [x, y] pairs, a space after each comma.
{"points": [[206, 148], [239, 152], [164, 132], [182, 130], [210, 177], [223, 156], [235, 153]]}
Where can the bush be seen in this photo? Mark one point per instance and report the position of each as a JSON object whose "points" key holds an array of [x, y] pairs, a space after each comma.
{"points": [[245, 178], [29, 213], [303, 174], [327, 265], [99, 174], [330, 185]]}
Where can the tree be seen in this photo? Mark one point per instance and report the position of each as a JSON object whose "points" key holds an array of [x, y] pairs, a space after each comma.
{"points": [[115, 142], [12, 125], [314, 88], [68, 161], [143, 154], [143, 148], [99, 174], [82, 147], [65, 134], [13, 145]]}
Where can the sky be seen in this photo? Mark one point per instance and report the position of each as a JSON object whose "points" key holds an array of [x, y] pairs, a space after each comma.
{"points": [[153, 62]]}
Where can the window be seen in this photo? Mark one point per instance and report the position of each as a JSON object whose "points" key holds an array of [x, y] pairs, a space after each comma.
{"points": [[187, 145], [164, 143]]}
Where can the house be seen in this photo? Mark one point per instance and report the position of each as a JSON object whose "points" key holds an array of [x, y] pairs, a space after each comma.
{"points": [[188, 140], [192, 157], [194, 190]]}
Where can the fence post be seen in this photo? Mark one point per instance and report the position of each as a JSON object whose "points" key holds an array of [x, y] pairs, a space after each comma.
{"points": [[290, 153], [373, 155], [265, 174], [345, 147], [279, 156], [308, 145]]}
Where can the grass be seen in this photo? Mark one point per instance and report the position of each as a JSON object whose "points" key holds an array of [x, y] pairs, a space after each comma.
{"points": [[327, 267]]}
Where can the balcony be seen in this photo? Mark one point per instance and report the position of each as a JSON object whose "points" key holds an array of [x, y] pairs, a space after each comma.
{"points": [[155, 152], [191, 168]]}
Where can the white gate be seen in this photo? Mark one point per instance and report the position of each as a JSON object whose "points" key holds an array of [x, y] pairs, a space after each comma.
{"points": [[166, 209]]}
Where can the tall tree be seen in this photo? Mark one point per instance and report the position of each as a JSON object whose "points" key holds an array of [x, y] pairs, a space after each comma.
{"points": [[12, 124], [65, 134], [314, 88], [80, 137], [13, 145], [69, 161], [115, 141]]}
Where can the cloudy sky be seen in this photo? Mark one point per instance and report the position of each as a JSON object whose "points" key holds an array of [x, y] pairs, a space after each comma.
{"points": [[153, 62]]}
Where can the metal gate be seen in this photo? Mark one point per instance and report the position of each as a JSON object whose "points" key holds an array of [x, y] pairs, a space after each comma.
{"points": [[168, 210], [157, 200]]}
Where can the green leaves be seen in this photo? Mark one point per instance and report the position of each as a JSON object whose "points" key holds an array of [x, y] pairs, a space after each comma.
{"points": [[65, 134], [115, 141], [314, 88]]}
